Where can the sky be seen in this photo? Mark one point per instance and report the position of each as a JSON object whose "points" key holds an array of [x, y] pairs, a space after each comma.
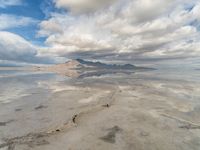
{"points": [[136, 31]]}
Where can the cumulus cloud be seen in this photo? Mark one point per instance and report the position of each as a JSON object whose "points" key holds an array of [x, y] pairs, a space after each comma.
{"points": [[124, 29], [5, 3], [109, 30], [83, 6], [15, 48], [10, 21]]}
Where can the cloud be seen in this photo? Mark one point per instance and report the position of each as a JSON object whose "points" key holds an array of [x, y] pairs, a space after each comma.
{"points": [[15, 48], [83, 6], [124, 29], [120, 30], [5, 3], [12, 21]]}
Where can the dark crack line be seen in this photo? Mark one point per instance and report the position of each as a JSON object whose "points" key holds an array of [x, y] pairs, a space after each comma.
{"points": [[189, 124], [36, 139]]}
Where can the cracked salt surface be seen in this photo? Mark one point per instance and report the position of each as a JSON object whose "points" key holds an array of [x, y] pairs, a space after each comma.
{"points": [[139, 111]]}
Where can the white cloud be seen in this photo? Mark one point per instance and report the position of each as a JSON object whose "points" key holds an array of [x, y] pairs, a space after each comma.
{"points": [[110, 29], [10, 21], [5, 3], [15, 48], [145, 10], [132, 28], [83, 6]]}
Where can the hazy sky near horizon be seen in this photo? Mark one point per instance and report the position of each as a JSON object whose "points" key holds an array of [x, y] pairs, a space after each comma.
{"points": [[51, 31]]}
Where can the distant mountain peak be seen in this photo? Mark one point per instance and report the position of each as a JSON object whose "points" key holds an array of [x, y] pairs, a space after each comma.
{"points": [[98, 65], [79, 60], [83, 68]]}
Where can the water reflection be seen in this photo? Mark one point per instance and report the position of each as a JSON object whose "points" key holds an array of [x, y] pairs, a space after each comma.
{"points": [[164, 103]]}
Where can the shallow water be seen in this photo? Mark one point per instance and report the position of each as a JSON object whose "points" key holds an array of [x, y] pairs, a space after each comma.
{"points": [[152, 110]]}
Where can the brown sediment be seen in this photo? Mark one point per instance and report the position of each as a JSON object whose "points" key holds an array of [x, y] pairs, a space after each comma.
{"points": [[111, 135], [189, 126], [40, 107], [31, 139], [37, 139], [107, 105], [74, 118], [18, 109], [6, 122]]}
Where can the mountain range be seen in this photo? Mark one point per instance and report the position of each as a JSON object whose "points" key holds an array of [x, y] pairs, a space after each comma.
{"points": [[84, 64], [84, 68]]}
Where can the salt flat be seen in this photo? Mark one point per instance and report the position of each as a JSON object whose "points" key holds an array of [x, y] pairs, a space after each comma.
{"points": [[140, 111]]}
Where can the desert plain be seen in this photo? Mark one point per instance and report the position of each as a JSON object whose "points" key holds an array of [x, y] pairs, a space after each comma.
{"points": [[153, 110]]}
